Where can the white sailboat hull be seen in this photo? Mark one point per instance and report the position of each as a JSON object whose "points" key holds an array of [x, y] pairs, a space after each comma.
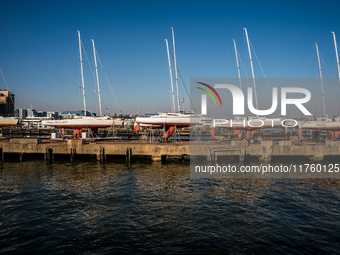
{"points": [[321, 125], [79, 123], [170, 119], [8, 121]]}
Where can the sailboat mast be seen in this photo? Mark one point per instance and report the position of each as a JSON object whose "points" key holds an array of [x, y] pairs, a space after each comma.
{"points": [[336, 54], [172, 85], [97, 78], [323, 94], [238, 66], [82, 73], [175, 61], [252, 69]]}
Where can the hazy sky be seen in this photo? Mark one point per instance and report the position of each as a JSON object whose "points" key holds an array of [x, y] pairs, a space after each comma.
{"points": [[39, 53]]}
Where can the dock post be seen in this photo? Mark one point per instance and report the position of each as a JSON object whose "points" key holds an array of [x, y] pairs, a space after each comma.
{"points": [[267, 151], [49, 154], [318, 155], [213, 158], [20, 156], [128, 155], [72, 153], [242, 154], [209, 159], [101, 155]]}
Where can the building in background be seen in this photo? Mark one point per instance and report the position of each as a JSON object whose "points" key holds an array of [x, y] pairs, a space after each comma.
{"points": [[53, 115], [32, 113], [22, 113], [7, 103], [41, 114], [72, 114]]}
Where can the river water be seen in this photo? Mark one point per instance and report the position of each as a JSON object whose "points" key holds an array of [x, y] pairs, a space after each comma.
{"points": [[87, 207]]}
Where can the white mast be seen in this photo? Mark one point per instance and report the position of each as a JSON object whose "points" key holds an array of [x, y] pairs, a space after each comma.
{"points": [[97, 78], [252, 68], [82, 73], [173, 42], [336, 54], [172, 85], [238, 66], [323, 94]]}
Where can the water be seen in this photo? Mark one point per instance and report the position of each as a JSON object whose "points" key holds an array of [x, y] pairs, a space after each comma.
{"points": [[92, 208]]}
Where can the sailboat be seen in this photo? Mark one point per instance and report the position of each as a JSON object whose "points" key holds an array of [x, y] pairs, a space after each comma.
{"points": [[249, 124], [324, 123], [80, 122], [166, 120]]}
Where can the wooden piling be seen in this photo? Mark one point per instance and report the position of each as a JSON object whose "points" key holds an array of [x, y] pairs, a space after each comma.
{"points": [[128, 155], [72, 154], [242, 155], [49, 154], [101, 156]]}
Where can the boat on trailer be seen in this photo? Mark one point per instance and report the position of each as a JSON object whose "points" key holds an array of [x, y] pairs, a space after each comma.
{"points": [[325, 123], [169, 121], [248, 123], [8, 121], [80, 122]]}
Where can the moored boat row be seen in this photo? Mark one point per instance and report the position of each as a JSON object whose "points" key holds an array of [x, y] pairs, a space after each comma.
{"points": [[177, 119]]}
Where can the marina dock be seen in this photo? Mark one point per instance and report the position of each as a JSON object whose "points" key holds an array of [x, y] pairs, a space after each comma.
{"points": [[157, 151]]}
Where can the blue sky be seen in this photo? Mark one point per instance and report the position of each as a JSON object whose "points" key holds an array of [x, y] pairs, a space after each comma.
{"points": [[39, 53]]}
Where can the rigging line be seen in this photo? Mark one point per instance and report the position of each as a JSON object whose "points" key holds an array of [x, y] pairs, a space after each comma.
{"points": [[239, 57], [260, 64], [184, 84], [186, 90], [120, 110], [107, 110], [308, 60], [336, 92], [95, 82], [226, 60], [324, 65], [88, 61], [99, 92], [153, 72], [328, 42], [245, 71], [3, 77], [67, 58]]}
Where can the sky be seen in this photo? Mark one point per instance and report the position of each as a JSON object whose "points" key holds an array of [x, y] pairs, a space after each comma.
{"points": [[39, 54]]}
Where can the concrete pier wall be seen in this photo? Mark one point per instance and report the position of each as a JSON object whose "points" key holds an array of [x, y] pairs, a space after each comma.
{"points": [[210, 149]]}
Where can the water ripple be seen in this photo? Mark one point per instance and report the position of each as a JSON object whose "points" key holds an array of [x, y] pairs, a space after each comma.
{"points": [[89, 207]]}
